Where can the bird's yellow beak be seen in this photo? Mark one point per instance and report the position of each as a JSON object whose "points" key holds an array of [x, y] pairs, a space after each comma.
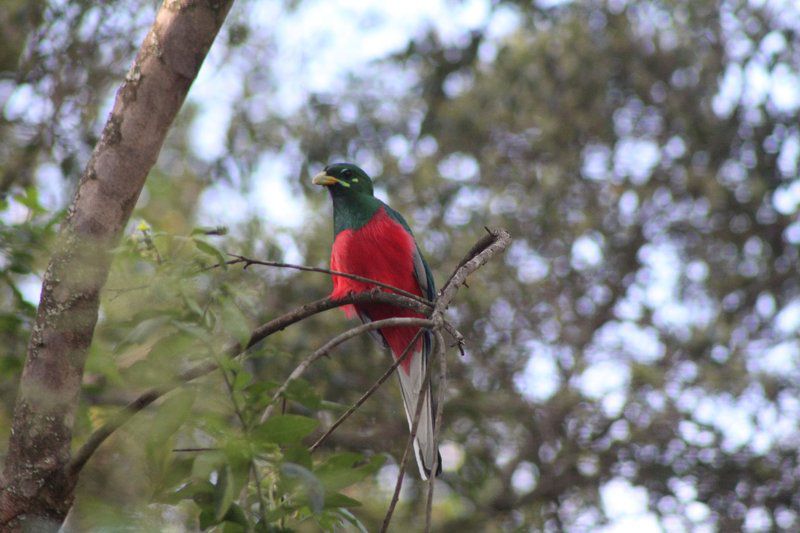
{"points": [[323, 179]]}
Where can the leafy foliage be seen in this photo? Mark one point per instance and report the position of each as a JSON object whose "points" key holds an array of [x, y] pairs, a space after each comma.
{"points": [[640, 334]]}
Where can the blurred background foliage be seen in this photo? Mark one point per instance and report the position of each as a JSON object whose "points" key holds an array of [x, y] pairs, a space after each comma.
{"points": [[632, 360]]}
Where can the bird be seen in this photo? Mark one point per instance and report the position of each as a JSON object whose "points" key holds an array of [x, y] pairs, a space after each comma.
{"points": [[374, 241]]}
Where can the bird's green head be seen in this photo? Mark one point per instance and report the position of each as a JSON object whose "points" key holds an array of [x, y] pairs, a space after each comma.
{"points": [[344, 179]]}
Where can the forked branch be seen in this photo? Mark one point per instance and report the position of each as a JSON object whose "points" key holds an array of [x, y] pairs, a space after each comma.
{"points": [[494, 243]]}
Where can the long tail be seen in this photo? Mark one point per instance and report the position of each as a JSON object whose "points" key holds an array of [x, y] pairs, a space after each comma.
{"points": [[411, 374], [410, 384]]}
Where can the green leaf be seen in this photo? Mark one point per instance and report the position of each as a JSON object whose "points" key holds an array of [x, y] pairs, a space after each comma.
{"points": [[351, 518], [176, 475], [223, 493], [238, 456], [211, 250], [144, 330], [233, 527], [202, 492], [314, 490], [298, 454], [303, 393], [192, 304], [285, 429], [170, 416], [192, 329], [205, 463], [172, 413], [259, 394], [337, 499], [236, 515], [345, 469], [207, 518], [31, 200], [242, 380], [235, 323], [333, 406]]}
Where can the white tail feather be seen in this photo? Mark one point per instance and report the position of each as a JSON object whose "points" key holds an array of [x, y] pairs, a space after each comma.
{"points": [[410, 385]]}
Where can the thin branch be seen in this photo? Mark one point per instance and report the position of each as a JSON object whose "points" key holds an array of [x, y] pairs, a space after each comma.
{"points": [[483, 243], [367, 394], [101, 434], [119, 292], [278, 324], [248, 262], [246, 428], [440, 354], [334, 342], [500, 239], [307, 310], [413, 434], [468, 265]]}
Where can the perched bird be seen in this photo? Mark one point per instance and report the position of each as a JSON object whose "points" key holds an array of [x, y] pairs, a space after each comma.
{"points": [[373, 240]]}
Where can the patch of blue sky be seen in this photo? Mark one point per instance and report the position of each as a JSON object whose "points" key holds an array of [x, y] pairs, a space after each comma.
{"points": [[789, 154], [781, 359], [606, 380], [626, 506], [635, 159], [746, 420], [540, 379], [531, 267], [787, 321], [732, 417], [467, 202], [335, 39], [273, 190], [786, 198], [587, 251], [630, 341], [595, 162], [525, 477], [459, 166]]}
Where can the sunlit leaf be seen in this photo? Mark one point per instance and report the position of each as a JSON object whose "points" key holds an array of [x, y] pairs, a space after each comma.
{"points": [[285, 429], [235, 323], [223, 492]]}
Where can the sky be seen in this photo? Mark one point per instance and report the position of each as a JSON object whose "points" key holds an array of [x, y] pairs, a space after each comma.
{"points": [[346, 36]]}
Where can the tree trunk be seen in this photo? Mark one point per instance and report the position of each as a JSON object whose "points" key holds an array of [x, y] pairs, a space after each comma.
{"points": [[37, 492]]}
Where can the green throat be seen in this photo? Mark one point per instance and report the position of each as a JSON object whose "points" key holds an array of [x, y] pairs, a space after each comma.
{"points": [[352, 211]]}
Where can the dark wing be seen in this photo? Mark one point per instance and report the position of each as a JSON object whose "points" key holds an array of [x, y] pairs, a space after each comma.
{"points": [[409, 385], [422, 271]]}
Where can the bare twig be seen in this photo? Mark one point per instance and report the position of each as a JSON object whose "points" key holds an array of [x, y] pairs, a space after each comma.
{"points": [[101, 434], [414, 426], [248, 262], [119, 292], [367, 394], [483, 243], [500, 240], [336, 341], [440, 351], [246, 428], [497, 241]]}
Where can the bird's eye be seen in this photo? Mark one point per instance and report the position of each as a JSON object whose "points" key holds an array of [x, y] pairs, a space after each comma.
{"points": [[346, 173]]}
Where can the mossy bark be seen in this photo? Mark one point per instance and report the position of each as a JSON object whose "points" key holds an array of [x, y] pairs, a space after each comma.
{"points": [[37, 490]]}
